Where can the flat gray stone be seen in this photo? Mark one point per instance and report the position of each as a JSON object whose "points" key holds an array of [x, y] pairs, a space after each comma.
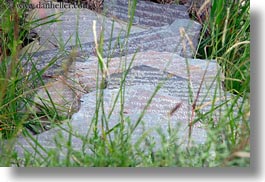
{"points": [[147, 14], [74, 27], [156, 117], [165, 39], [81, 77], [148, 69], [171, 63], [172, 85]]}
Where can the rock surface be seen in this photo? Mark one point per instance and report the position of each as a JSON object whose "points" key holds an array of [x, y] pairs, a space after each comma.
{"points": [[181, 36], [147, 14], [162, 45], [166, 38], [74, 27], [147, 70]]}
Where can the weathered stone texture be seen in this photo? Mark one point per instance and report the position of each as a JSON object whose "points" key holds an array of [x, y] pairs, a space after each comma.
{"points": [[163, 38], [74, 27], [171, 63], [156, 116], [147, 13]]}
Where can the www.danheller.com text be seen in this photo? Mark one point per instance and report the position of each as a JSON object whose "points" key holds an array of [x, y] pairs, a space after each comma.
{"points": [[51, 5]]}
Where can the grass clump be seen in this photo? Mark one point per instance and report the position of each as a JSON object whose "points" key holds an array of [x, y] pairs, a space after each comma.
{"points": [[226, 38], [12, 87], [17, 85]]}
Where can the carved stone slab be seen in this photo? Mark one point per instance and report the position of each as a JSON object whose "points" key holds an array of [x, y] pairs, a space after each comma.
{"points": [[170, 63], [148, 69], [205, 91], [165, 39], [147, 13], [159, 48], [156, 117], [172, 85], [74, 27]]}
